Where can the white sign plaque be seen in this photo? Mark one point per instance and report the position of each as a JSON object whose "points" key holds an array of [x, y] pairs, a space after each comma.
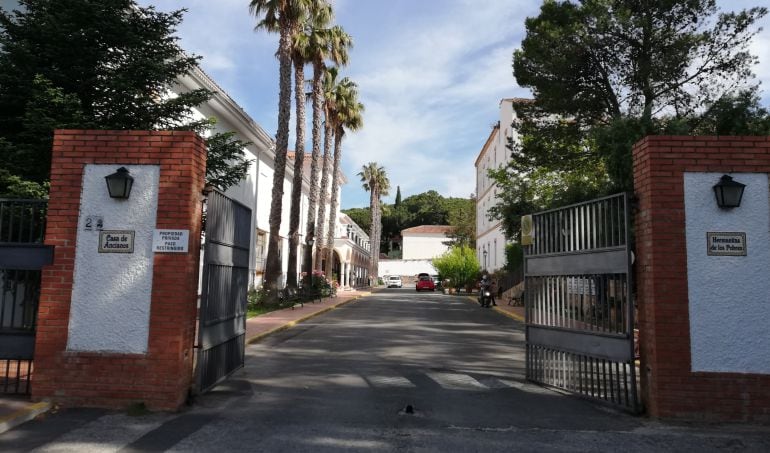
{"points": [[170, 241], [116, 241], [726, 244]]}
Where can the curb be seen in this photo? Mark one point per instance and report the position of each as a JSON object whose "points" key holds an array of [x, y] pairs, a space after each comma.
{"points": [[14, 419], [509, 314], [290, 324]]}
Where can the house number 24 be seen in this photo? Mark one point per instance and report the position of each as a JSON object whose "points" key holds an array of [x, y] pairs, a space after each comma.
{"points": [[94, 222]]}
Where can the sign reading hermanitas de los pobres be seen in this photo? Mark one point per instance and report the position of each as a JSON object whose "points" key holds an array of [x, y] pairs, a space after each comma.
{"points": [[526, 230], [116, 241], [726, 244]]}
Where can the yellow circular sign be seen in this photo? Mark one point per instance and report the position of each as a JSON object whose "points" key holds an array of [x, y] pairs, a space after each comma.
{"points": [[526, 225]]}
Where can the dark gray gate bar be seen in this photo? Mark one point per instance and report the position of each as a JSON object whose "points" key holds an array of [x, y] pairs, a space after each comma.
{"points": [[22, 255], [224, 286], [579, 307]]}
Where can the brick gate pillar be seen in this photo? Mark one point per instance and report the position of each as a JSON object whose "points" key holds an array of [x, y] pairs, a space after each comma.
{"points": [[117, 312], [704, 308]]}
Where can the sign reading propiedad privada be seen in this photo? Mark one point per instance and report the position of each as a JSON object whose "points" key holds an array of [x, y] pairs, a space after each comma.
{"points": [[170, 241], [116, 241], [726, 244]]}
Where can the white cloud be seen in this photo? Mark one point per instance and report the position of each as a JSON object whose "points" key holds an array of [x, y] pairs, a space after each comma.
{"points": [[430, 74]]}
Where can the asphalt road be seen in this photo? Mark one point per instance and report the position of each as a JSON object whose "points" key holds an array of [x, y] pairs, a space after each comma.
{"points": [[396, 371]]}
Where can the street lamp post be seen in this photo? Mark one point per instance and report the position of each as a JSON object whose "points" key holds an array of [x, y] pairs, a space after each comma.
{"points": [[308, 259]]}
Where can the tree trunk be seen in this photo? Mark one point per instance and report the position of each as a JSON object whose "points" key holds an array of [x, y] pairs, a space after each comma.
{"points": [[273, 264], [334, 197], [316, 157], [322, 196], [373, 247], [296, 187], [376, 260]]}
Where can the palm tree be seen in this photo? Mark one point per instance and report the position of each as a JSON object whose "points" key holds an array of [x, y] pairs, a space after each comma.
{"points": [[319, 15], [324, 44], [282, 16], [347, 116], [376, 182], [329, 84]]}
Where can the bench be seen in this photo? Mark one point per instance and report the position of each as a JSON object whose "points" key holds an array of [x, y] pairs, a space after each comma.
{"points": [[310, 294], [298, 296], [290, 296], [515, 295]]}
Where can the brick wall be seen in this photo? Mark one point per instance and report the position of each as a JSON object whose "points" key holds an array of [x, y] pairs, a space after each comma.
{"points": [[162, 377], [669, 388]]}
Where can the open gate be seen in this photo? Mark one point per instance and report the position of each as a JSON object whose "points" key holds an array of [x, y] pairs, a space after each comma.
{"points": [[22, 256], [224, 288], [579, 306]]}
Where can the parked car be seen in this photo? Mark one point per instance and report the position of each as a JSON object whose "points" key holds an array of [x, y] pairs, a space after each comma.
{"points": [[425, 282], [393, 281]]}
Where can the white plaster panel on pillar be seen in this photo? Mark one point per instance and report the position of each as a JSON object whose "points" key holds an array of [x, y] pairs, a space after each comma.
{"points": [[729, 296], [112, 292]]}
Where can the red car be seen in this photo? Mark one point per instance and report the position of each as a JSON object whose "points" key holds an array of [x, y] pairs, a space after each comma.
{"points": [[424, 282]]}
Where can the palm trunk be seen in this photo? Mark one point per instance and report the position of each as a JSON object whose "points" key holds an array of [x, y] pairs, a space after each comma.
{"points": [[296, 187], [334, 197], [316, 157], [378, 225], [322, 196], [373, 208], [273, 264]]}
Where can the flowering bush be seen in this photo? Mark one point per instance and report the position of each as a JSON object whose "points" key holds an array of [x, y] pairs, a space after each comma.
{"points": [[318, 279]]}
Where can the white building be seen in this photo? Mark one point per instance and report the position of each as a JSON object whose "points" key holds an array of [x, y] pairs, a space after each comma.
{"points": [[256, 190], [352, 253], [490, 240], [425, 242], [420, 245]]}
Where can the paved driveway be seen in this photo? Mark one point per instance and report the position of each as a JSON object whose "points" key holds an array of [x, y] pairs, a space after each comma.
{"points": [[394, 371]]}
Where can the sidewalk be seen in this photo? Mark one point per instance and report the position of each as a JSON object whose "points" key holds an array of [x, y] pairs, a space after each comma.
{"points": [[259, 327], [15, 410], [515, 312]]}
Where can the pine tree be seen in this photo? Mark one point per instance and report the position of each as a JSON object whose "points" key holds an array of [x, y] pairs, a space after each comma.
{"points": [[93, 64]]}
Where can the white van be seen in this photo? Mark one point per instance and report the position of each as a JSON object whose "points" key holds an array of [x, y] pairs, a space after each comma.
{"points": [[393, 281]]}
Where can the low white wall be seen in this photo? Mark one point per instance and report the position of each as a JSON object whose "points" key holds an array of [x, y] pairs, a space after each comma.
{"points": [[406, 267], [729, 296], [111, 292]]}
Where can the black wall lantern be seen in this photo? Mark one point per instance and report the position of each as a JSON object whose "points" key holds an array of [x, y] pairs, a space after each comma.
{"points": [[119, 183], [728, 192]]}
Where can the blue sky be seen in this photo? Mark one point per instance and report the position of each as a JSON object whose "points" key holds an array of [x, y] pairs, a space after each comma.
{"points": [[430, 73]]}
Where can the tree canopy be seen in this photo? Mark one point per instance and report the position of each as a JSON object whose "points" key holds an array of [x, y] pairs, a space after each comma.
{"points": [[92, 64], [605, 73], [427, 208], [459, 265]]}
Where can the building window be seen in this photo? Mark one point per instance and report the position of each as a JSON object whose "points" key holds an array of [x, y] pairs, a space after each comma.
{"points": [[260, 250]]}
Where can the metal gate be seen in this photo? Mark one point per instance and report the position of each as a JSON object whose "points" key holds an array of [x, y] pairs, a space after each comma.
{"points": [[22, 255], [579, 306], [224, 288]]}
